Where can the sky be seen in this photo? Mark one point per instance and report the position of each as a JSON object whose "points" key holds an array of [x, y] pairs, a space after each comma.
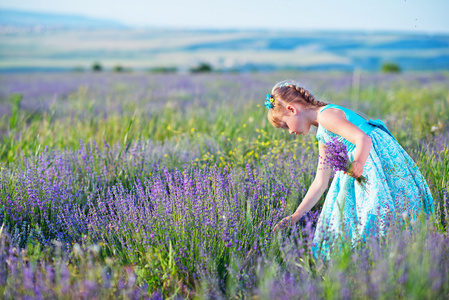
{"points": [[429, 16]]}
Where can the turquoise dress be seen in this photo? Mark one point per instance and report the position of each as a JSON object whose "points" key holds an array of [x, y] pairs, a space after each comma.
{"points": [[395, 188]]}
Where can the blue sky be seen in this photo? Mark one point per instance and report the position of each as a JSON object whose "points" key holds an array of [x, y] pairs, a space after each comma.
{"points": [[367, 15]]}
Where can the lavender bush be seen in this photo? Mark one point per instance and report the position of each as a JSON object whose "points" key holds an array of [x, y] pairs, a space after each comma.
{"points": [[150, 196]]}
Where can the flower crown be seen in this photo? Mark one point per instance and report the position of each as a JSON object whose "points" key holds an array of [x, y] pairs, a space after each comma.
{"points": [[269, 102]]}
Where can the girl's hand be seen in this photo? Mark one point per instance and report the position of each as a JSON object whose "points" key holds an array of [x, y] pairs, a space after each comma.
{"points": [[356, 169], [286, 222]]}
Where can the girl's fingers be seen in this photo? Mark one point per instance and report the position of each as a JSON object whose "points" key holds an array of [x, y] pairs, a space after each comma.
{"points": [[284, 223], [357, 170]]}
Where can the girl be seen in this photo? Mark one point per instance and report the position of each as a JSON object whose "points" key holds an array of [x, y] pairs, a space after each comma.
{"points": [[395, 185]]}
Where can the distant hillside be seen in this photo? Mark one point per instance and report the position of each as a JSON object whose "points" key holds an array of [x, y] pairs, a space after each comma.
{"points": [[75, 45], [344, 50], [21, 19]]}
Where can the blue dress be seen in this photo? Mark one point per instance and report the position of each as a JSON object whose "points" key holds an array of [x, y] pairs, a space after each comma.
{"points": [[395, 188]]}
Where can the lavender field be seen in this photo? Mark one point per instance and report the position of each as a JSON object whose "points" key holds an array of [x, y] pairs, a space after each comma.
{"points": [[168, 186]]}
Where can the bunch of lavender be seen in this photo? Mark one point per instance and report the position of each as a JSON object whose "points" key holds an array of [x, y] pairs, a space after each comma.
{"points": [[337, 158]]}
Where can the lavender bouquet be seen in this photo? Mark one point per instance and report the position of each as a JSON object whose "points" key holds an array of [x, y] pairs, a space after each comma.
{"points": [[337, 158]]}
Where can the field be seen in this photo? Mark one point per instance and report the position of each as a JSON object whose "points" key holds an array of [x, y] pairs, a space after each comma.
{"points": [[167, 186], [229, 50]]}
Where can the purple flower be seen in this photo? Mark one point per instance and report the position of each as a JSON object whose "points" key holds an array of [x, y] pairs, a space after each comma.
{"points": [[337, 158]]}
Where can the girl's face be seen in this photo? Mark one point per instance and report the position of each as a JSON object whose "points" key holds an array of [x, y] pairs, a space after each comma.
{"points": [[296, 120]]}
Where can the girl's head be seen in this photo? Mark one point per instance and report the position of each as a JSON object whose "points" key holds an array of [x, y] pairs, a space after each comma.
{"points": [[284, 96]]}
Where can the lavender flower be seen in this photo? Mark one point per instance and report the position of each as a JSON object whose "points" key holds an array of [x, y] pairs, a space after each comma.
{"points": [[337, 158]]}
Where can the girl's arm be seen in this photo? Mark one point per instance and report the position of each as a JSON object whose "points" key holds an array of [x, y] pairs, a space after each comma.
{"points": [[335, 120], [318, 186], [316, 189]]}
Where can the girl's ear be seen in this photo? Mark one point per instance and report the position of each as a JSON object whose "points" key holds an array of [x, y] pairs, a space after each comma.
{"points": [[291, 108]]}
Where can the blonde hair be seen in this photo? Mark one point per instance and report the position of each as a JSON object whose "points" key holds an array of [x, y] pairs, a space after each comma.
{"points": [[287, 92]]}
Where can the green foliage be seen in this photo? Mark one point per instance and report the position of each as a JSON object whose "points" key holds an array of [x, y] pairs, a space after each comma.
{"points": [[163, 70], [158, 269], [118, 69], [97, 67], [390, 67], [202, 68], [14, 101]]}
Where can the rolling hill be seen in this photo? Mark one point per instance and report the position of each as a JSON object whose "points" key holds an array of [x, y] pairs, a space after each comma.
{"points": [[68, 42]]}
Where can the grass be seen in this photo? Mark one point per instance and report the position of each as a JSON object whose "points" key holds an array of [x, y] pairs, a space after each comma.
{"points": [[170, 187]]}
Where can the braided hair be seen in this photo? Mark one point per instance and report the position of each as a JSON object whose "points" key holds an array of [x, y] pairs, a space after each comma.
{"points": [[285, 93]]}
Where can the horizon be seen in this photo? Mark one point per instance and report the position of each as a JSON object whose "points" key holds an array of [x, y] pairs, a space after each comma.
{"points": [[405, 17]]}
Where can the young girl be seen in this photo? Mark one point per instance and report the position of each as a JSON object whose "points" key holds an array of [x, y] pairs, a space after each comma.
{"points": [[350, 211]]}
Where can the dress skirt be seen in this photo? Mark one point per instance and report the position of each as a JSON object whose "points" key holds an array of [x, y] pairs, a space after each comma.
{"points": [[395, 189]]}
